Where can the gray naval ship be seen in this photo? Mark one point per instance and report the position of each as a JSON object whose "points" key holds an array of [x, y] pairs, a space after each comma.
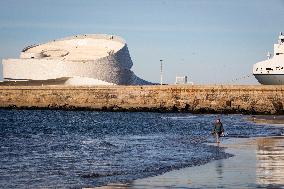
{"points": [[271, 71]]}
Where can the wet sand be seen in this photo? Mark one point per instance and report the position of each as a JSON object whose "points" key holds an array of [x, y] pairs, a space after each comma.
{"points": [[258, 163], [267, 119]]}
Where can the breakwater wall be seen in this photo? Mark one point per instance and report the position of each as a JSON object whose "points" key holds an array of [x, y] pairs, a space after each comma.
{"points": [[256, 99]]}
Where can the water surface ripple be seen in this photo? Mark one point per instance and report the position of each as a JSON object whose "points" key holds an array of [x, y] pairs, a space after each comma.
{"points": [[75, 149]]}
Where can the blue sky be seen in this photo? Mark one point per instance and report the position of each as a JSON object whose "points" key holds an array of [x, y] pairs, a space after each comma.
{"points": [[211, 41]]}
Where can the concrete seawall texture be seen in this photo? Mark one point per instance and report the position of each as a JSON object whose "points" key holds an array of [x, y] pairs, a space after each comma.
{"points": [[246, 99]]}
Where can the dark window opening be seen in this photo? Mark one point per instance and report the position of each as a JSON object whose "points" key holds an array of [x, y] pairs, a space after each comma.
{"points": [[269, 69]]}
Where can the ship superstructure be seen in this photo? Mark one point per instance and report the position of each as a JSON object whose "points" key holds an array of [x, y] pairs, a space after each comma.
{"points": [[271, 71]]}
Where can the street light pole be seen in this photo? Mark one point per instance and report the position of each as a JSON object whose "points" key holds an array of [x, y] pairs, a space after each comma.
{"points": [[161, 72]]}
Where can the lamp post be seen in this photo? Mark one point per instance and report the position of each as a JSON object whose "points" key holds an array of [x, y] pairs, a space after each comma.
{"points": [[161, 72]]}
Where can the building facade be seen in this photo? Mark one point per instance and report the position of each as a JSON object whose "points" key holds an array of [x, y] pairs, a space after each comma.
{"points": [[96, 59]]}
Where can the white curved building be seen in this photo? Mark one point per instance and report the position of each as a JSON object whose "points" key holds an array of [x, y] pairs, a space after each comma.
{"points": [[271, 71], [95, 59]]}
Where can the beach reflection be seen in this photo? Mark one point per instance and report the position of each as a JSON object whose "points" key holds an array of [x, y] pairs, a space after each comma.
{"points": [[219, 169], [270, 161], [219, 166], [258, 163]]}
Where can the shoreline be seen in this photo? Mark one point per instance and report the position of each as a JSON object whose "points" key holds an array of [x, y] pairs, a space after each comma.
{"points": [[267, 119], [257, 162]]}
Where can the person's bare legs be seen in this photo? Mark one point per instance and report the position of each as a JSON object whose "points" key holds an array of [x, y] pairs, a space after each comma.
{"points": [[217, 138]]}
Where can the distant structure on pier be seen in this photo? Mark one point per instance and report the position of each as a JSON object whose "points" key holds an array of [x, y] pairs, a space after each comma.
{"points": [[181, 80], [94, 59]]}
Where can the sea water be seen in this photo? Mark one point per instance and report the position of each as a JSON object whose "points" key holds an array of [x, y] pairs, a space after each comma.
{"points": [[75, 149]]}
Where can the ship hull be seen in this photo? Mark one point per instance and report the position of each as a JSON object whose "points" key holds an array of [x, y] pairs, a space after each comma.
{"points": [[270, 79]]}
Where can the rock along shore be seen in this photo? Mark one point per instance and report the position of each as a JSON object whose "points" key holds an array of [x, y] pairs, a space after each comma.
{"points": [[246, 99]]}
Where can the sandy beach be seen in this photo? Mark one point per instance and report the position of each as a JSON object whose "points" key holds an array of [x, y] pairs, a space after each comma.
{"points": [[257, 163]]}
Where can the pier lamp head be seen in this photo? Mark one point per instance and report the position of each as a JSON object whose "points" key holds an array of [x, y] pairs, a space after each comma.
{"points": [[268, 55], [281, 38]]}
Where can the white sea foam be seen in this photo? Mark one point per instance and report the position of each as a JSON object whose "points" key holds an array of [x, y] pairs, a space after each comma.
{"points": [[178, 117]]}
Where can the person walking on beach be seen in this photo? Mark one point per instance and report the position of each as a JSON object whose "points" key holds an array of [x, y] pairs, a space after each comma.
{"points": [[218, 130]]}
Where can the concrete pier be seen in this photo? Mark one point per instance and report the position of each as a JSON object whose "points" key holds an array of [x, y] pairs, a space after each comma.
{"points": [[247, 99]]}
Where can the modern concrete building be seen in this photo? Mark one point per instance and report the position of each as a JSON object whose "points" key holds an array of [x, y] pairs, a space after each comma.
{"points": [[95, 59]]}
